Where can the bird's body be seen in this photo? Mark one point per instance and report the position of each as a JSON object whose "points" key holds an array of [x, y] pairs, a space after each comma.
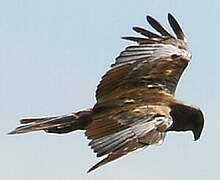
{"points": [[135, 104]]}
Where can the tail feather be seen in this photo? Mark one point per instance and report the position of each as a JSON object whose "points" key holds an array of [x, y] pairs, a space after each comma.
{"points": [[55, 124], [31, 120]]}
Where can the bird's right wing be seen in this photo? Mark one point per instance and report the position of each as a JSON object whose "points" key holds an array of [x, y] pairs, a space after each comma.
{"points": [[116, 133]]}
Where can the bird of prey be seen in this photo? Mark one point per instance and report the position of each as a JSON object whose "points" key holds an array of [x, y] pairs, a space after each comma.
{"points": [[135, 104]]}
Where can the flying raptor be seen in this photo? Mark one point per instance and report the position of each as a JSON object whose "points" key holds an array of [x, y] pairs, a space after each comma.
{"points": [[135, 104]]}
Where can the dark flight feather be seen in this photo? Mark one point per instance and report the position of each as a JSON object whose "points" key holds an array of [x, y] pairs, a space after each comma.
{"points": [[157, 26], [176, 27], [146, 33]]}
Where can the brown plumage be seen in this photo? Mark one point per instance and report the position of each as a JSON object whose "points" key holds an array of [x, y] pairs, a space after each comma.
{"points": [[135, 99]]}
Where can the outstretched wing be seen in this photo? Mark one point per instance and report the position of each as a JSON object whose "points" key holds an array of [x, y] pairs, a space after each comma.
{"points": [[132, 110], [157, 61], [121, 130]]}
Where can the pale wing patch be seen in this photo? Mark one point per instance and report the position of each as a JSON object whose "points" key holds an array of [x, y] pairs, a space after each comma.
{"points": [[144, 131], [137, 136], [151, 52], [168, 50], [135, 53]]}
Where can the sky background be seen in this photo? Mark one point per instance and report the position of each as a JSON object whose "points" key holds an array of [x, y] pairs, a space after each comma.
{"points": [[52, 56]]}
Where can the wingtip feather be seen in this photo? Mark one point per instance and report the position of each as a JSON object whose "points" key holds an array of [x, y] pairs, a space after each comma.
{"points": [[158, 27], [106, 160], [176, 27], [146, 33]]}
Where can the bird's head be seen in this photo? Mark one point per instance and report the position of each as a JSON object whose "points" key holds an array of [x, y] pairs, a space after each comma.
{"points": [[187, 118]]}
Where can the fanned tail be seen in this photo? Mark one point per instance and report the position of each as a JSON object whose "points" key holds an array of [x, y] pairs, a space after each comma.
{"points": [[55, 124]]}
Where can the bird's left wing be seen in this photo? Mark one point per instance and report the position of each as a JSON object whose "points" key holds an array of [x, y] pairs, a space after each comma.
{"points": [[157, 61]]}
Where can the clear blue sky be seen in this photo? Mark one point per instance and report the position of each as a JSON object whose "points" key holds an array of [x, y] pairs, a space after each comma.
{"points": [[52, 56]]}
